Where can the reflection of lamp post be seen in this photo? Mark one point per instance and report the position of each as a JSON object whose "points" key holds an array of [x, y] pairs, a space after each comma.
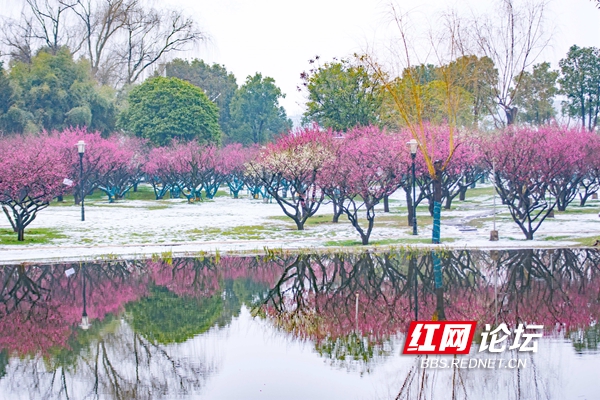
{"points": [[413, 153], [85, 323], [81, 151]]}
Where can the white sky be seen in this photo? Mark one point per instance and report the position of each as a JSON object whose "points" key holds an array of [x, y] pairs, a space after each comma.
{"points": [[278, 37]]}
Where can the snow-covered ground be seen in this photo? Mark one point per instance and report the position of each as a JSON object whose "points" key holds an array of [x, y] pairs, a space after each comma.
{"points": [[141, 228]]}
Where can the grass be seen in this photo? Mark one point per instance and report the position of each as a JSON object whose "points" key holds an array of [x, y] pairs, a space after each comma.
{"points": [[478, 191], [552, 238], [384, 242], [575, 209], [32, 236], [381, 219], [157, 207], [586, 241], [315, 220], [144, 192], [479, 222], [244, 232], [222, 193]]}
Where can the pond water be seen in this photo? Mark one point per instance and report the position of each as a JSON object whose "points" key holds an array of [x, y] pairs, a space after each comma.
{"points": [[296, 326]]}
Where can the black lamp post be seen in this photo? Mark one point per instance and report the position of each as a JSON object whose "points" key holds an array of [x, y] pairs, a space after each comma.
{"points": [[413, 153], [81, 151]]}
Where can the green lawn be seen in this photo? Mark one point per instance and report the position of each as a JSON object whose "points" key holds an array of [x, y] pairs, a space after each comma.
{"points": [[32, 236]]}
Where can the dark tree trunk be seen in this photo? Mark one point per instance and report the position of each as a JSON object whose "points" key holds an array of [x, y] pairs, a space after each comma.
{"points": [[12, 223], [511, 115], [386, 204], [337, 212], [448, 202], [463, 193], [437, 202]]}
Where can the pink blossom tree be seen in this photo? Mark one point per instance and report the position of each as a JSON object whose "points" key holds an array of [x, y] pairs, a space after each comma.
{"points": [[122, 168], [461, 171], [211, 170], [526, 162], [293, 163], [98, 158], [570, 147], [32, 173], [158, 170], [590, 183], [368, 166], [187, 167], [234, 158]]}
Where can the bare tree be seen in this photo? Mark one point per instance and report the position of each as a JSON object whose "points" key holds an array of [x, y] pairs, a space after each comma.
{"points": [[121, 39], [151, 35], [513, 38], [50, 23], [18, 36], [101, 21]]}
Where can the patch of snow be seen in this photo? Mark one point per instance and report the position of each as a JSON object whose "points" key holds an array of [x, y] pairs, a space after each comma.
{"points": [[136, 228]]}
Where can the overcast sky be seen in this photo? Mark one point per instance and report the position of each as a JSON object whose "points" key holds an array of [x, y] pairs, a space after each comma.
{"points": [[278, 37]]}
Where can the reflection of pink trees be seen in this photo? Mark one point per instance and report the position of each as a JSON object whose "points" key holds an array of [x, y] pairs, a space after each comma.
{"points": [[316, 297], [203, 277], [40, 307], [549, 287]]}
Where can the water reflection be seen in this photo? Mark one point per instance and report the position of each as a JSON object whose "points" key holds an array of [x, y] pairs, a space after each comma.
{"points": [[146, 317]]}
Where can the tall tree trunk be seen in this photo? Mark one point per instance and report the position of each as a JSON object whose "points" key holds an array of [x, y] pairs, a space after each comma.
{"points": [[463, 193], [437, 202], [386, 204], [511, 114], [337, 212]]}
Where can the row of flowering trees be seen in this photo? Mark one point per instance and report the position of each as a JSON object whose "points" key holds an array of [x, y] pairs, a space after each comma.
{"points": [[533, 170]]}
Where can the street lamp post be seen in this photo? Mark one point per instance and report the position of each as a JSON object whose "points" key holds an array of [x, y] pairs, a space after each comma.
{"points": [[81, 151], [413, 153], [85, 323]]}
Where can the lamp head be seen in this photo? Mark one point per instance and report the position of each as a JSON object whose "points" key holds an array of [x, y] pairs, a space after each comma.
{"points": [[414, 145], [85, 323], [81, 147]]}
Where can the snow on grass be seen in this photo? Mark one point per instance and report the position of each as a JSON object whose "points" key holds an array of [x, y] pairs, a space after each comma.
{"points": [[140, 228]]}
